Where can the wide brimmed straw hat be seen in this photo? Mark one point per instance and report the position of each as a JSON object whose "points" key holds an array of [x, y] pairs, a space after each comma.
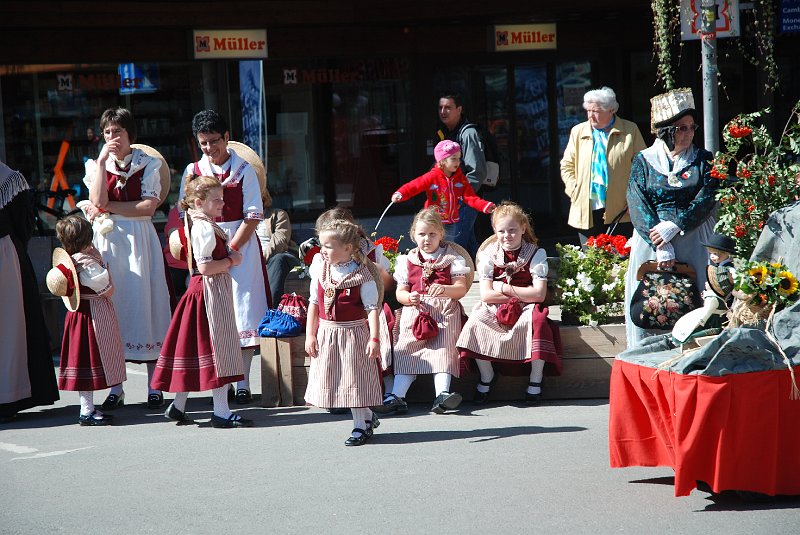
{"points": [[250, 156], [62, 279], [163, 171], [177, 244], [668, 107]]}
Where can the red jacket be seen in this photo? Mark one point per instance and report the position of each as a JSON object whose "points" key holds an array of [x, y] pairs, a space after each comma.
{"points": [[444, 192]]}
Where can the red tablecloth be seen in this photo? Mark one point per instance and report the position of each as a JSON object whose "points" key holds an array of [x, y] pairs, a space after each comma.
{"points": [[737, 432]]}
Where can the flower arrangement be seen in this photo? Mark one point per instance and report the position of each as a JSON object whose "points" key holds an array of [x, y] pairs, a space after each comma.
{"points": [[767, 283], [758, 176], [391, 248], [591, 280]]}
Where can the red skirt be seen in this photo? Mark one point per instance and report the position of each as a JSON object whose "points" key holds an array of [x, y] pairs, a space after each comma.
{"points": [[186, 363], [81, 368]]}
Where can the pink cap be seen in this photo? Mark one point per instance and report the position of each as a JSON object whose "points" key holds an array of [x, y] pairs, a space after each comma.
{"points": [[445, 149]]}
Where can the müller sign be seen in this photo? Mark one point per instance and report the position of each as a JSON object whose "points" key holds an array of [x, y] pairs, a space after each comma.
{"points": [[512, 37], [230, 44]]}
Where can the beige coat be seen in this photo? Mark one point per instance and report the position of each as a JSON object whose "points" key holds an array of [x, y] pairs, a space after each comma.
{"points": [[624, 142]]}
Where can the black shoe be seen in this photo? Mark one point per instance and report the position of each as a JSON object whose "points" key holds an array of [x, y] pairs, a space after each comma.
{"points": [[155, 401], [372, 425], [446, 401], [360, 440], [392, 403], [113, 401], [533, 399], [243, 396], [174, 414], [92, 420], [233, 420]]}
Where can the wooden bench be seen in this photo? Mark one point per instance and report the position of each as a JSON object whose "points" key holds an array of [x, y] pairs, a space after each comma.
{"points": [[588, 355]]}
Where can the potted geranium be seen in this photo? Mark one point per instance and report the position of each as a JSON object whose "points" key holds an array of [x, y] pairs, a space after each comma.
{"points": [[591, 280]]}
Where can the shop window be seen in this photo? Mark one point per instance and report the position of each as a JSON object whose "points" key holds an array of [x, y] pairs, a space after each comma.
{"points": [[533, 138]]}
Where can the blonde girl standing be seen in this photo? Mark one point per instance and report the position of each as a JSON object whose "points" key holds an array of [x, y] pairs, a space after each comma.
{"points": [[431, 279], [91, 349], [201, 351], [342, 333], [512, 268]]}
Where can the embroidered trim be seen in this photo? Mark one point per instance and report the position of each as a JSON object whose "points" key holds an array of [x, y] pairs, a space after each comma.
{"points": [[13, 184]]}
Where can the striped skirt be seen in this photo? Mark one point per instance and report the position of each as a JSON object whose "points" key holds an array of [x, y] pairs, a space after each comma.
{"points": [[439, 354], [84, 365], [342, 375], [188, 362], [484, 338]]}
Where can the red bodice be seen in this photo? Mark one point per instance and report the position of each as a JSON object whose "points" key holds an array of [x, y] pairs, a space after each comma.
{"points": [[233, 196], [347, 305], [520, 278], [131, 191]]}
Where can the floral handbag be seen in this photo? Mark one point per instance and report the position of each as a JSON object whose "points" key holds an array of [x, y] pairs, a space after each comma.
{"points": [[663, 296]]}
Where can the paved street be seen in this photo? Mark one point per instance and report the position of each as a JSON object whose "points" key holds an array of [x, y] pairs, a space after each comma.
{"points": [[499, 469]]}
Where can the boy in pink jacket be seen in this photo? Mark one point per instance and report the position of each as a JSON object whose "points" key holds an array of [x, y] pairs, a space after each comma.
{"points": [[444, 185]]}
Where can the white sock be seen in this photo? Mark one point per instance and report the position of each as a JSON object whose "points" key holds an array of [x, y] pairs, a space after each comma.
{"points": [[441, 382], [151, 370], [388, 383], [402, 382], [487, 374], [537, 371], [221, 407], [180, 401], [360, 418], [247, 360], [116, 390], [87, 402]]}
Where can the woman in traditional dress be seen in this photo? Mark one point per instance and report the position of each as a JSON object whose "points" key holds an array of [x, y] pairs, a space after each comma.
{"points": [[26, 363], [126, 183], [671, 197]]}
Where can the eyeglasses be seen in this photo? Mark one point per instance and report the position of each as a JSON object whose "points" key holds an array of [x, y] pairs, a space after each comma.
{"points": [[209, 142], [684, 128]]}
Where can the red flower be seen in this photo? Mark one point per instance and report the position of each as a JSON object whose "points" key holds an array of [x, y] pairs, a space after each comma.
{"points": [[309, 256], [771, 180], [743, 172], [390, 245], [740, 231], [738, 131], [715, 173]]}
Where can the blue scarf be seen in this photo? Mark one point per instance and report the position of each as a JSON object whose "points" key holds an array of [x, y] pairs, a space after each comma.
{"points": [[599, 174]]}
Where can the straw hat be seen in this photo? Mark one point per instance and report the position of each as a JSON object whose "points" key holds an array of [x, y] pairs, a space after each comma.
{"points": [[163, 170], [668, 107], [177, 244], [61, 276], [250, 156], [468, 259]]}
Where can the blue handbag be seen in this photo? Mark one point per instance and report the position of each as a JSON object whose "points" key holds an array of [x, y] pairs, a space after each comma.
{"points": [[278, 324]]}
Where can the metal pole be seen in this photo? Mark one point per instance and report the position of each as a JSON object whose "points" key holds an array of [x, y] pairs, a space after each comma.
{"points": [[708, 48]]}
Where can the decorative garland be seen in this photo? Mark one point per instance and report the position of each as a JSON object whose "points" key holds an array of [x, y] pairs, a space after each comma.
{"points": [[666, 18]]}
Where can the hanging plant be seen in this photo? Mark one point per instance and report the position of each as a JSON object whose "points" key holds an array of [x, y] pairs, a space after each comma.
{"points": [[757, 43], [666, 19]]}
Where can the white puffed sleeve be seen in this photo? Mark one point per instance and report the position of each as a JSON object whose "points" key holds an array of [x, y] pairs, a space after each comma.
{"points": [[91, 169], [151, 180], [459, 267], [252, 208], [315, 272], [369, 295], [485, 267], [539, 264], [95, 277], [401, 270], [203, 242]]}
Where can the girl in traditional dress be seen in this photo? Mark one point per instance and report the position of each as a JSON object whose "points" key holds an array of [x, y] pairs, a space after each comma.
{"points": [[91, 350], [513, 272], [201, 350], [126, 183], [342, 330], [430, 279]]}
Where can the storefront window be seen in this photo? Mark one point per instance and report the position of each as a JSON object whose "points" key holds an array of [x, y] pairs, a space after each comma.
{"points": [[533, 138], [51, 114]]}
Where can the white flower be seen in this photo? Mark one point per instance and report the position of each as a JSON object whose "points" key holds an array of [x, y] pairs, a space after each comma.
{"points": [[609, 286], [570, 282], [584, 282]]}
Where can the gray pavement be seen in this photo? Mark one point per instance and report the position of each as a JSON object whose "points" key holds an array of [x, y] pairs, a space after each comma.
{"points": [[498, 469]]}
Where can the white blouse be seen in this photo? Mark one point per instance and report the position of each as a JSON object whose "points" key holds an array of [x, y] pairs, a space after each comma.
{"points": [[95, 277], [203, 241], [369, 290], [151, 179], [538, 265], [458, 268]]}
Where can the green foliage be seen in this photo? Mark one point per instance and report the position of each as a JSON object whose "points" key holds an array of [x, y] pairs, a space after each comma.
{"points": [[758, 176]]}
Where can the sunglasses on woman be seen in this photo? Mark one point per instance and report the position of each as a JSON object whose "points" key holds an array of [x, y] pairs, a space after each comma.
{"points": [[684, 128]]}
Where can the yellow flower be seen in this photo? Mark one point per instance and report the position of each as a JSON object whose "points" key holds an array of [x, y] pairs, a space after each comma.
{"points": [[776, 265], [759, 273], [788, 284]]}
